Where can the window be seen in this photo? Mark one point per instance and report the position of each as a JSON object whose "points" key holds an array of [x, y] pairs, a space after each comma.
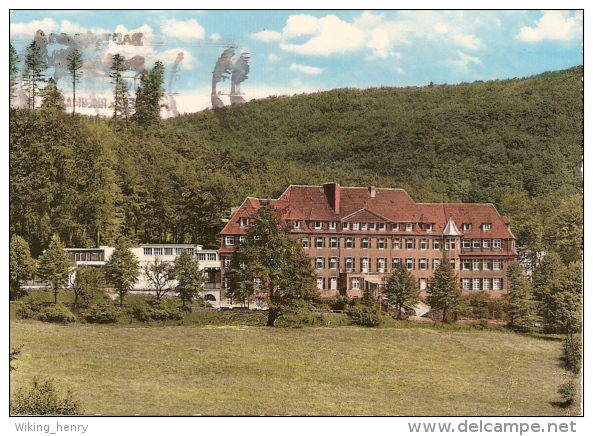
{"points": [[486, 283], [364, 243], [212, 256], [364, 264], [496, 264], [333, 243], [158, 251], [355, 226], [257, 283], [466, 227], [423, 263], [436, 244], [229, 240], [319, 242], [467, 244], [423, 244], [201, 256], [227, 262], [346, 226], [147, 251], [305, 243], [422, 283], [477, 244], [466, 265], [381, 243], [395, 227], [436, 263], [381, 227], [319, 263], [372, 226], [363, 226], [229, 301], [512, 244], [486, 227], [476, 284], [395, 263], [429, 228], [190, 250], [486, 243], [497, 284], [355, 283], [332, 226], [333, 283], [297, 225], [241, 239], [453, 263], [496, 244], [397, 243], [244, 222], [349, 243], [333, 263], [477, 264], [320, 283], [465, 283], [349, 264], [258, 302], [487, 265], [318, 225], [225, 283], [410, 263], [409, 227], [381, 263], [168, 251], [178, 251], [409, 244]]}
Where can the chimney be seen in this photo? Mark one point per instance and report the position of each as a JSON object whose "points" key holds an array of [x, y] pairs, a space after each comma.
{"points": [[332, 193], [373, 192]]}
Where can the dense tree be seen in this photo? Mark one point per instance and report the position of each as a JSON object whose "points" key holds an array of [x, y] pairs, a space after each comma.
{"points": [[35, 68], [186, 270], [149, 95], [121, 270], [401, 291], [13, 71], [158, 274], [443, 290], [52, 97], [121, 94], [22, 265], [55, 265], [269, 262], [74, 66], [521, 306]]}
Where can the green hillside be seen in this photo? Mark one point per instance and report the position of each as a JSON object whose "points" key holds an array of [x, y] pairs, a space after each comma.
{"points": [[517, 143]]}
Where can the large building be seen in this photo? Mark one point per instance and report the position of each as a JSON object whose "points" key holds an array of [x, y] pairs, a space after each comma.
{"points": [[147, 253], [355, 238]]}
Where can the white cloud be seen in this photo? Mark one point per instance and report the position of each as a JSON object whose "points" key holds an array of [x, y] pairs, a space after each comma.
{"points": [[380, 43], [306, 69], [330, 36], [464, 60], [469, 42], [555, 26], [215, 37], [183, 30], [267, 35], [273, 58], [28, 30]]}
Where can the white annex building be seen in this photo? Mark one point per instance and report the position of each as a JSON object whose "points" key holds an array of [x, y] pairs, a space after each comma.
{"points": [[209, 262]]}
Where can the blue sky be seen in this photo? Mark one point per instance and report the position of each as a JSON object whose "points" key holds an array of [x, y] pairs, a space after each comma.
{"points": [[293, 52]]}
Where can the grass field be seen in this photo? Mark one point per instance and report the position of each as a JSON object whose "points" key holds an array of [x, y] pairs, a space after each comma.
{"points": [[311, 371]]}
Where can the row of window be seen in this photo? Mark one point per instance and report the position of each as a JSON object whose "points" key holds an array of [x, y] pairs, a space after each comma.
{"points": [[398, 243], [481, 264], [482, 283], [476, 284], [396, 227], [379, 265], [167, 251]]}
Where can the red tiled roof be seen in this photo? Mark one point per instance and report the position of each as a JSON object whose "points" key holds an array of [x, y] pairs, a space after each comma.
{"points": [[310, 203]]}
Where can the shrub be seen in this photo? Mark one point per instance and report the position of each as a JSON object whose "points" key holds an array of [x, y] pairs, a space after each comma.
{"points": [[568, 392], [103, 312], [364, 315], [158, 310], [57, 313], [297, 314], [43, 399], [27, 310], [572, 353]]}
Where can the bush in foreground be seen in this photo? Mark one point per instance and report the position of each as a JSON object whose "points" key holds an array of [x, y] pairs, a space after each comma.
{"points": [[103, 312], [43, 399], [365, 315], [58, 314]]}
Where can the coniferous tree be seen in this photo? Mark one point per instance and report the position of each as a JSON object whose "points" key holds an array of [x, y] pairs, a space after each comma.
{"points": [[121, 270], [52, 97], [74, 66], [401, 290], [22, 265], [186, 271], [443, 290], [35, 68], [14, 71], [521, 306], [121, 95], [55, 266], [149, 96]]}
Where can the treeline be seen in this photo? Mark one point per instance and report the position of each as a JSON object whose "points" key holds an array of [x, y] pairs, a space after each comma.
{"points": [[515, 143]]}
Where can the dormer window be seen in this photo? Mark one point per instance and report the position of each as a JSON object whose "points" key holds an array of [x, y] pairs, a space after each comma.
{"points": [[372, 226], [244, 222], [297, 225], [332, 226], [355, 226], [429, 228], [409, 227], [486, 227], [346, 226], [466, 227], [382, 227], [318, 225]]}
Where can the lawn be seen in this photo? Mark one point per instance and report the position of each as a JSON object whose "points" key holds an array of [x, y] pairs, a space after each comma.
{"points": [[180, 370]]}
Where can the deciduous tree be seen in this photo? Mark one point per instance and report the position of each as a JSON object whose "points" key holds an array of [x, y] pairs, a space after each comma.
{"points": [[189, 278], [22, 265], [55, 266], [159, 276], [121, 270]]}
